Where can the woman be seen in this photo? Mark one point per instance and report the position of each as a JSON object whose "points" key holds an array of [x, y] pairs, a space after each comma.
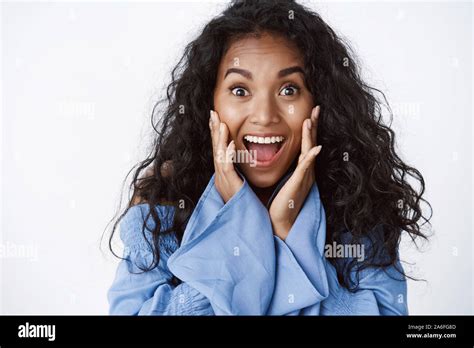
{"points": [[247, 214]]}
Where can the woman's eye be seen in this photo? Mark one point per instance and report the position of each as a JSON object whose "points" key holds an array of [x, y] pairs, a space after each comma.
{"points": [[239, 92], [289, 90], [286, 91]]}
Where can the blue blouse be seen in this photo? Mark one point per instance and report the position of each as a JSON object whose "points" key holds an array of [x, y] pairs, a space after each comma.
{"points": [[231, 263]]}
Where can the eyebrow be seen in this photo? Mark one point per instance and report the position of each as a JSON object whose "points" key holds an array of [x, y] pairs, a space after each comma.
{"points": [[282, 73]]}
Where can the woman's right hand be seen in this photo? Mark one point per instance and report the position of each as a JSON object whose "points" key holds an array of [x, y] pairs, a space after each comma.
{"points": [[226, 179]]}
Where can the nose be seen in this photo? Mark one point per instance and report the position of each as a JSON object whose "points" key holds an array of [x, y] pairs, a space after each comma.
{"points": [[265, 112]]}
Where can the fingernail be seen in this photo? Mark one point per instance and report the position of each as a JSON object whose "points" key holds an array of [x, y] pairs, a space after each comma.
{"points": [[316, 112], [308, 123], [315, 153], [212, 116]]}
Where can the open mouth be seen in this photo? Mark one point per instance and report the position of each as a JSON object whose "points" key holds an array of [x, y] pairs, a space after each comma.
{"points": [[264, 149]]}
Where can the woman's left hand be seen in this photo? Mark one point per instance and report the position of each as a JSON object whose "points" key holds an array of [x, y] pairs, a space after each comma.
{"points": [[289, 200]]}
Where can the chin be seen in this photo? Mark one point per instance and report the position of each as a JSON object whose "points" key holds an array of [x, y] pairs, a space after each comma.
{"points": [[262, 179]]}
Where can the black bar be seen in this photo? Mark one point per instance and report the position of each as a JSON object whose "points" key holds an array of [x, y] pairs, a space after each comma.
{"points": [[223, 330]]}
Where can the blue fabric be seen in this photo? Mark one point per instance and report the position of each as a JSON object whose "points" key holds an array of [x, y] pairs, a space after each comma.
{"points": [[230, 263]]}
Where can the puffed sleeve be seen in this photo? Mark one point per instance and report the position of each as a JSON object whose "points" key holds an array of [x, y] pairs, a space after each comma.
{"points": [[380, 291], [134, 292], [301, 261]]}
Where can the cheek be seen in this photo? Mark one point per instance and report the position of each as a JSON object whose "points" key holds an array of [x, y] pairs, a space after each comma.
{"points": [[295, 123], [296, 126], [231, 117]]}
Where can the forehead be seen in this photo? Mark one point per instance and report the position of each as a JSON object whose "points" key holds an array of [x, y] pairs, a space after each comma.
{"points": [[267, 50]]}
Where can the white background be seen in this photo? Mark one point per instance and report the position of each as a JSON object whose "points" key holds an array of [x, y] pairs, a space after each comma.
{"points": [[78, 84]]}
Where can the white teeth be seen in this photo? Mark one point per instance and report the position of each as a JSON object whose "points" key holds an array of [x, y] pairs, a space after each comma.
{"points": [[264, 140]]}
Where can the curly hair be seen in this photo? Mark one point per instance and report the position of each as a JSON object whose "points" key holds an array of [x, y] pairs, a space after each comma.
{"points": [[363, 183]]}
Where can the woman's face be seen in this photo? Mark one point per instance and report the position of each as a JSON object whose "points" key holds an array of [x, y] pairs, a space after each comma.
{"points": [[260, 92]]}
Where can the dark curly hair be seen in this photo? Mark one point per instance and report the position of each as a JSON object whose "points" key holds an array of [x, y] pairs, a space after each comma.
{"points": [[363, 183]]}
